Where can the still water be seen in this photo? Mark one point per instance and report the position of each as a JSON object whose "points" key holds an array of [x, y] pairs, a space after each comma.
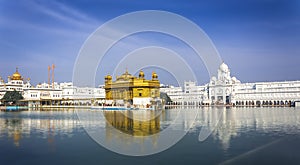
{"points": [[234, 136]]}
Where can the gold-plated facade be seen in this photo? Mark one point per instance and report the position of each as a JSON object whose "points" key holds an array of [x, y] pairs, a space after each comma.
{"points": [[126, 87]]}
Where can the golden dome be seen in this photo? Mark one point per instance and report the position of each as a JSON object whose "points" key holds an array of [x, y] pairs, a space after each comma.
{"points": [[108, 77], [125, 75], [16, 75], [154, 75], [141, 74]]}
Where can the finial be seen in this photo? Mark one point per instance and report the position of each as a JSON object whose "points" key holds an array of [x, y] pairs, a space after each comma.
{"points": [[17, 69]]}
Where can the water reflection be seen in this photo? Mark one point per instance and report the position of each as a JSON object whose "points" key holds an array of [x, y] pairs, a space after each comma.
{"points": [[136, 132], [135, 123], [45, 125], [224, 124]]}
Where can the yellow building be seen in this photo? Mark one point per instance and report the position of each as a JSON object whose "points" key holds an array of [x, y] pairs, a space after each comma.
{"points": [[131, 89]]}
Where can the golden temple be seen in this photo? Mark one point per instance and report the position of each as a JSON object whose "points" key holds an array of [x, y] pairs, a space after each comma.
{"points": [[131, 89]]}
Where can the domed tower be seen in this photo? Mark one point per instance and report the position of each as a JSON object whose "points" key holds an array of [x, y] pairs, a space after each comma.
{"points": [[141, 74], [224, 67], [107, 87], [16, 76], [15, 82], [154, 76], [27, 84], [223, 73], [108, 79], [125, 76]]}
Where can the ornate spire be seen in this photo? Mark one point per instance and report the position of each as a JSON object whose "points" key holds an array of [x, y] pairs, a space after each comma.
{"points": [[16, 75]]}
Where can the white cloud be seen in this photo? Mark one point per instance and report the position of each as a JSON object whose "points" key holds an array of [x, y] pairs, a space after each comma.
{"points": [[64, 13]]}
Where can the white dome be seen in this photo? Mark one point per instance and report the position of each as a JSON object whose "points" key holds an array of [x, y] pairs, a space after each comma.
{"points": [[213, 78], [234, 79], [223, 67]]}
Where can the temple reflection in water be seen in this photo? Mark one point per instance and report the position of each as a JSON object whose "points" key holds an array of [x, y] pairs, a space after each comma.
{"points": [[224, 124], [135, 123]]}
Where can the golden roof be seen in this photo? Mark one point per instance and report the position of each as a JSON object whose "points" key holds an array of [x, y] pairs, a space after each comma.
{"points": [[125, 76], [16, 75]]}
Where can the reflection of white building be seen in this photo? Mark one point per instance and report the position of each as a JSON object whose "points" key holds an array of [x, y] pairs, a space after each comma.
{"points": [[224, 124], [48, 126], [224, 89]]}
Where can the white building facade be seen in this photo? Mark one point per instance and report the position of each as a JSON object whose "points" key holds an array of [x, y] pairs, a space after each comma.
{"points": [[15, 82], [190, 95], [81, 95], [224, 89], [51, 94]]}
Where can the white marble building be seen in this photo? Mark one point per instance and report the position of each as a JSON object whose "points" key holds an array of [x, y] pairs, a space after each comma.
{"points": [[228, 90], [62, 94], [224, 89], [81, 95], [45, 94], [175, 93], [191, 94], [14, 82]]}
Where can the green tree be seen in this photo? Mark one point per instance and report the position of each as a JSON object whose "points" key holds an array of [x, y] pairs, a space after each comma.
{"points": [[164, 96], [12, 97]]}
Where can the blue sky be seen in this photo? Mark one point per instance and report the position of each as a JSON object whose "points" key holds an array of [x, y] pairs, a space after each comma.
{"points": [[258, 39]]}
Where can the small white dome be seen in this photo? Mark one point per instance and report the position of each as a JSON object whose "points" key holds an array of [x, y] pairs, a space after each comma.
{"points": [[223, 67]]}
